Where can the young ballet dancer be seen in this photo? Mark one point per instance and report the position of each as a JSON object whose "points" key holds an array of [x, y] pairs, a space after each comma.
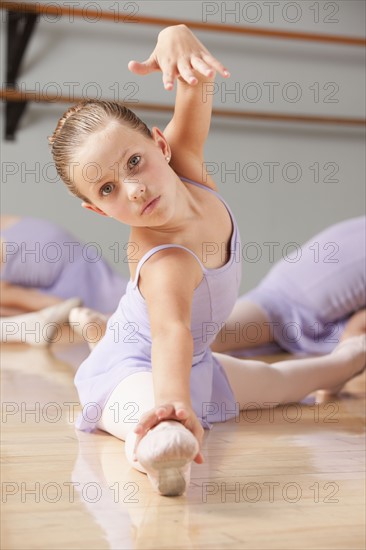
{"points": [[153, 380], [45, 273]]}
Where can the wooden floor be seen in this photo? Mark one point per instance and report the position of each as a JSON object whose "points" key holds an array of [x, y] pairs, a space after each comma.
{"points": [[287, 479]]}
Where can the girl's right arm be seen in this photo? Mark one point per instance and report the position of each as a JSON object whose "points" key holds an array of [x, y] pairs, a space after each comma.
{"points": [[167, 284]]}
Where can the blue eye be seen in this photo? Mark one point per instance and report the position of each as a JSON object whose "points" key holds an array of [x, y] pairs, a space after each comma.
{"points": [[106, 189], [134, 161]]}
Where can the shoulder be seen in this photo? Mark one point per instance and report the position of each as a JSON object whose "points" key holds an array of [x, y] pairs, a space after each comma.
{"points": [[167, 281], [170, 269], [192, 167]]}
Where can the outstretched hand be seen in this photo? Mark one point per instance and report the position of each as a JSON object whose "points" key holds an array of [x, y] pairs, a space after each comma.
{"points": [[178, 54], [171, 411]]}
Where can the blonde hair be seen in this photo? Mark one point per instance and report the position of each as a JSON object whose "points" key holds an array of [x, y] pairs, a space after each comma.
{"points": [[80, 121]]}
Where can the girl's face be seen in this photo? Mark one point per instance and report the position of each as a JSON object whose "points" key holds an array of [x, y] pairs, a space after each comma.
{"points": [[120, 171]]}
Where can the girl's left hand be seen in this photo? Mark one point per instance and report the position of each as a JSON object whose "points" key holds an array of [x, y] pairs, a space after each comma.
{"points": [[178, 54], [180, 411]]}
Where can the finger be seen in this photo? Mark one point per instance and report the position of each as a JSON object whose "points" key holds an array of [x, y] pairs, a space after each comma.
{"points": [[145, 67], [150, 420], [146, 422], [215, 64], [181, 413], [198, 432], [164, 410], [169, 75], [186, 71], [201, 66], [199, 459]]}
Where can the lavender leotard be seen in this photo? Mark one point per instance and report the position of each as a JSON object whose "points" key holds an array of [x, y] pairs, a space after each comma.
{"points": [[40, 254], [310, 295], [126, 347]]}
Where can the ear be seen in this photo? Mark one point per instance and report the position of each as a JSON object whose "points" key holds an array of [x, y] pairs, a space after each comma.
{"points": [[93, 208], [160, 141]]}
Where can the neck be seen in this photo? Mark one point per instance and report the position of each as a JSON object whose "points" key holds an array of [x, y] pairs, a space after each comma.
{"points": [[186, 209]]}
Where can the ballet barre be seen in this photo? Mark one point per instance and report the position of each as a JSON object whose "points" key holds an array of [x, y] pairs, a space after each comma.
{"points": [[52, 9], [24, 97], [21, 21]]}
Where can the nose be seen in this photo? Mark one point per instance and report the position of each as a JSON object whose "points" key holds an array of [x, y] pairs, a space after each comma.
{"points": [[136, 189]]}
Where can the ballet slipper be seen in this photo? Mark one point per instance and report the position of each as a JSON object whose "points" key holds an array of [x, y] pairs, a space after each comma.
{"points": [[166, 452], [37, 328], [81, 317]]}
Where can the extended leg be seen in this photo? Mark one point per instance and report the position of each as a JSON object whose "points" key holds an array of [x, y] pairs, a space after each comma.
{"points": [[167, 450], [15, 299], [292, 380]]}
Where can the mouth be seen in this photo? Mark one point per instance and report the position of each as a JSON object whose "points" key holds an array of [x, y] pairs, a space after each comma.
{"points": [[150, 206]]}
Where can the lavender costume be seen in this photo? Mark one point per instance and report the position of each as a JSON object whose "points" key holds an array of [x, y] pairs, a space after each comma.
{"points": [[40, 254], [126, 347]]}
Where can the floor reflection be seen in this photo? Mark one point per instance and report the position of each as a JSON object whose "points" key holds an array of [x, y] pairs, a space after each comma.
{"points": [[122, 501]]}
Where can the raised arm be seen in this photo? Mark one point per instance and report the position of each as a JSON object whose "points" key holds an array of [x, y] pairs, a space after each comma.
{"points": [[180, 55]]}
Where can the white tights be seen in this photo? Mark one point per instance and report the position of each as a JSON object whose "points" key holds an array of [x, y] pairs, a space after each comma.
{"points": [[251, 381], [128, 402]]}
